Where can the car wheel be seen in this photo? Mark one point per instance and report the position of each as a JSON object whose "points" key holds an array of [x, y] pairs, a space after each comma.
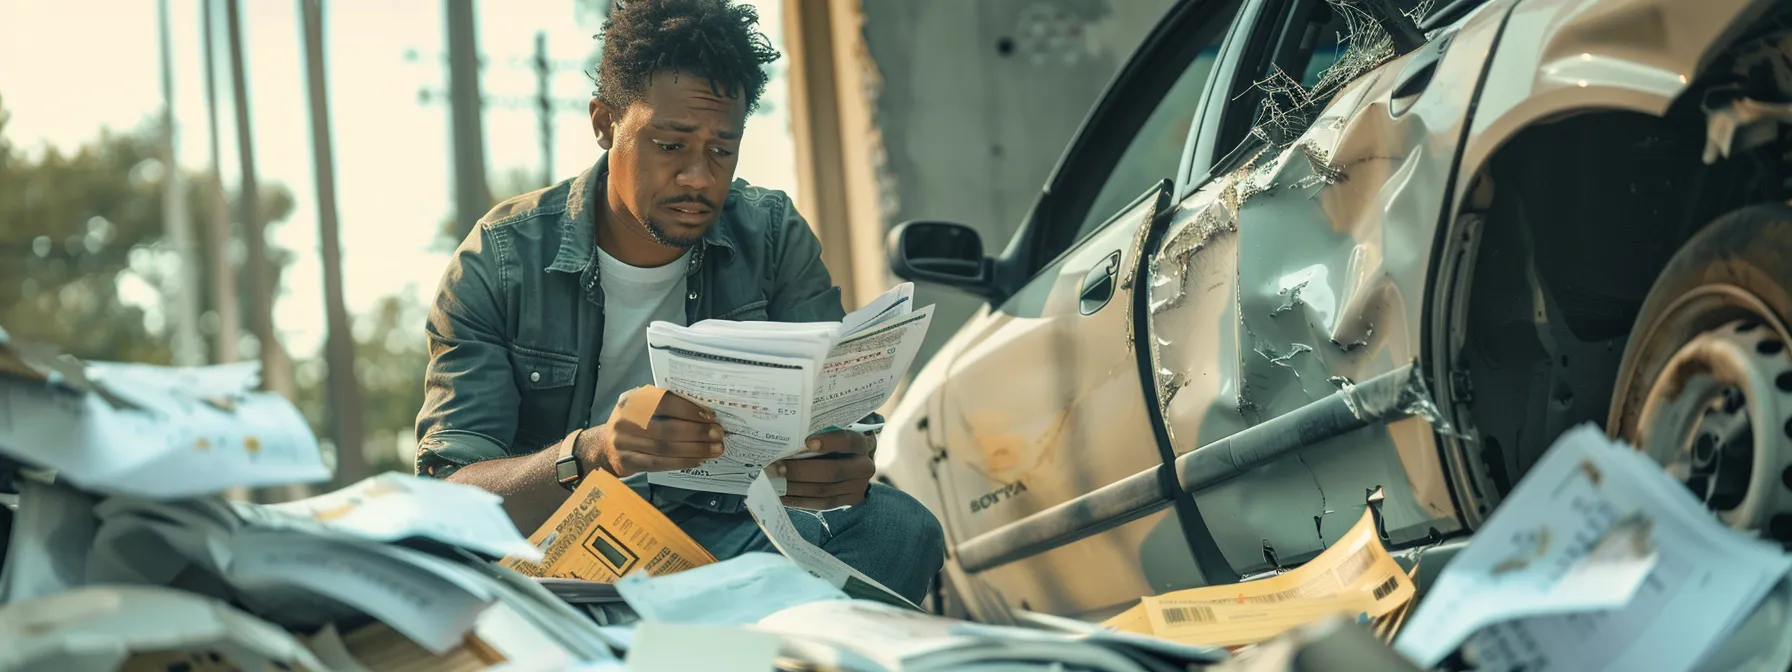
{"points": [[1705, 387]]}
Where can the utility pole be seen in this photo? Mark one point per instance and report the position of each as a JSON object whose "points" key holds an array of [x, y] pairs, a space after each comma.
{"points": [[544, 106], [276, 369], [183, 290], [339, 347], [218, 233], [472, 196]]}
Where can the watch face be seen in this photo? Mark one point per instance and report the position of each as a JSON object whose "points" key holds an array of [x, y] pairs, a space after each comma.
{"points": [[566, 469]]}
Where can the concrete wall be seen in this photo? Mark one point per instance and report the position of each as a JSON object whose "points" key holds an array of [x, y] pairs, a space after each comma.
{"points": [[978, 100]]}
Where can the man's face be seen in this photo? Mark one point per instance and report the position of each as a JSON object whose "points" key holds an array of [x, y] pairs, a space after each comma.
{"points": [[672, 155]]}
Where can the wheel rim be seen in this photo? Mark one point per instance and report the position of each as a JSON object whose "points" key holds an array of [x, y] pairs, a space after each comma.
{"points": [[1716, 415]]}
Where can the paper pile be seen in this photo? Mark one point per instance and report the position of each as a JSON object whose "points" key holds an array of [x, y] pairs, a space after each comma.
{"points": [[1598, 560], [759, 608], [773, 384], [151, 431], [120, 554]]}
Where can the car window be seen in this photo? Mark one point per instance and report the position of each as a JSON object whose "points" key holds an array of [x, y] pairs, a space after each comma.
{"points": [[1152, 153], [1136, 133]]}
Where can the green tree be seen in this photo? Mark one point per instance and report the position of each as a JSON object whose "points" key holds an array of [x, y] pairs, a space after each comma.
{"points": [[81, 232]]}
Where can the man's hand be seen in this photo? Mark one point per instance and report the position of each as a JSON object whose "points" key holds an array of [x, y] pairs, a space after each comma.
{"points": [[838, 476], [681, 435]]}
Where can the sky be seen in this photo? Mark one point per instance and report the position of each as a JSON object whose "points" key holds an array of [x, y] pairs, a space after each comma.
{"points": [[392, 152]]}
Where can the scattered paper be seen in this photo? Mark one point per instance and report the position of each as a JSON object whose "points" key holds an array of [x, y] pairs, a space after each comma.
{"points": [[51, 535], [763, 503], [378, 647], [393, 506], [163, 445], [1598, 560], [736, 591], [605, 531], [278, 574], [678, 646], [1355, 576], [97, 628], [861, 636]]}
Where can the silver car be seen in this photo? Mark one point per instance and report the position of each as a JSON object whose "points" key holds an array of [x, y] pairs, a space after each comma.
{"points": [[1311, 256]]}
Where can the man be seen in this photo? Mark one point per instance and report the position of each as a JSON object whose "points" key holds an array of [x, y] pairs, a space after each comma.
{"points": [[538, 331]]}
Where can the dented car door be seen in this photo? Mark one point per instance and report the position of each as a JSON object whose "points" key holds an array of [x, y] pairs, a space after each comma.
{"points": [[1300, 272]]}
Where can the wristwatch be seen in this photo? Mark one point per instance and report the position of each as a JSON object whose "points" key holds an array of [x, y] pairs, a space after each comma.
{"points": [[567, 470]]}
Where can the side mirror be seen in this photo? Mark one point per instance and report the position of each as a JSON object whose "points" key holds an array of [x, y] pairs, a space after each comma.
{"points": [[942, 253]]}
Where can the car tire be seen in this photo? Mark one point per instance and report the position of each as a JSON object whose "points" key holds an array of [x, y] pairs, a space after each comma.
{"points": [[1706, 378]]}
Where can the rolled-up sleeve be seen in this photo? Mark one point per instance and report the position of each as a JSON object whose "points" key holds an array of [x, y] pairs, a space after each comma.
{"points": [[470, 400], [802, 288]]}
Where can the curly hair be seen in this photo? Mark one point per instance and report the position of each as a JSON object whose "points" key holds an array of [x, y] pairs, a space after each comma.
{"points": [[713, 39]]}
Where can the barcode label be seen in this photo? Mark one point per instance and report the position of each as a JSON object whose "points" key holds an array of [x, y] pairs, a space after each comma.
{"points": [[1386, 588], [1180, 615]]}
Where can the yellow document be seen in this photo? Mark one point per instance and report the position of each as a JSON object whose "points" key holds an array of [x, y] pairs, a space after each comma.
{"points": [[1133, 620], [605, 531], [1355, 576]]}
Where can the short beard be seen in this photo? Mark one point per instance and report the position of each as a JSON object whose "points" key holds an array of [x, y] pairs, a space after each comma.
{"points": [[662, 236]]}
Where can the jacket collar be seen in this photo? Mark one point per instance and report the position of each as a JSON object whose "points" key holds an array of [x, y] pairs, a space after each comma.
{"points": [[578, 224]]}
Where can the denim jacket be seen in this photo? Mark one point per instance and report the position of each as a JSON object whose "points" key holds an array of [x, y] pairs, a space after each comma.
{"points": [[518, 321]]}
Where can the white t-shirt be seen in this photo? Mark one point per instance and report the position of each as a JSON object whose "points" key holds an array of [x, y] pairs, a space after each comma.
{"points": [[634, 297]]}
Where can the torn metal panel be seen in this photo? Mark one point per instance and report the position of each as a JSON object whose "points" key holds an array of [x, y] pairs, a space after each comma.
{"points": [[1306, 265], [1409, 397]]}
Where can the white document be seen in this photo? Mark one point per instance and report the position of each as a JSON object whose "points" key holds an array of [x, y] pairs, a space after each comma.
{"points": [[135, 381], [51, 534], [761, 404], [773, 385], [97, 628], [763, 503], [162, 444], [393, 506], [1598, 560], [276, 573], [866, 636], [736, 591]]}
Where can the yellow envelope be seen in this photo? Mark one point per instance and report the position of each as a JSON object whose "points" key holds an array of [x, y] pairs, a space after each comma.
{"points": [[604, 532], [1354, 576]]}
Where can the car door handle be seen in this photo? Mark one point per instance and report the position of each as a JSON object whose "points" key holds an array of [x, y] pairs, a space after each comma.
{"points": [[1098, 285], [1416, 76]]}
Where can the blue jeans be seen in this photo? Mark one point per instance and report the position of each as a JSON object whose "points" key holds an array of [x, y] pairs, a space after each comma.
{"points": [[890, 537]]}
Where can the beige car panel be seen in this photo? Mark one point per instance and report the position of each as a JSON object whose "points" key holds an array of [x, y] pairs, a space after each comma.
{"points": [[1086, 579], [1042, 403]]}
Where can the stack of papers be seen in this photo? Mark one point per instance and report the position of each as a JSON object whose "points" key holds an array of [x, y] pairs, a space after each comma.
{"points": [[121, 554], [1598, 560], [774, 384], [367, 559]]}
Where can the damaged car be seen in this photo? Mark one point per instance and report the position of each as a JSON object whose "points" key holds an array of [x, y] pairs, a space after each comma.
{"points": [[1308, 257]]}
